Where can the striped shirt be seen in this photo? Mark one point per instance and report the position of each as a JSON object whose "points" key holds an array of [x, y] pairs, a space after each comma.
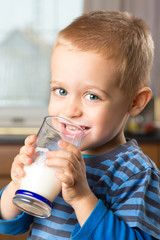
{"points": [[127, 183]]}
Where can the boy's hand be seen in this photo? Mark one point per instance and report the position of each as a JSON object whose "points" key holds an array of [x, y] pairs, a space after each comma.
{"points": [[73, 177], [75, 188], [8, 210], [23, 158]]}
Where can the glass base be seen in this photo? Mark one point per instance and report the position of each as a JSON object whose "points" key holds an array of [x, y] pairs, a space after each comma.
{"points": [[32, 203]]}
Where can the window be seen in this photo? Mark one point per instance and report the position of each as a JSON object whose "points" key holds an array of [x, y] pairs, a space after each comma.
{"points": [[28, 30]]}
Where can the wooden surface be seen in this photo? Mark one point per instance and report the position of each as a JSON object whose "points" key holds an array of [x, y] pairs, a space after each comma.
{"points": [[153, 151]]}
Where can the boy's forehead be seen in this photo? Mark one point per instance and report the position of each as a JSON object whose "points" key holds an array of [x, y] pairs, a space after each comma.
{"points": [[64, 53], [87, 66], [61, 51]]}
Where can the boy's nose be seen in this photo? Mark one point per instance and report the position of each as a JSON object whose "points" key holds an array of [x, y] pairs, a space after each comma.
{"points": [[72, 108]]}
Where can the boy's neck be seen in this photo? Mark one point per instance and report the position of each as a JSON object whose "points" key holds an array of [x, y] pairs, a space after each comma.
{"points": [[109, 146]]}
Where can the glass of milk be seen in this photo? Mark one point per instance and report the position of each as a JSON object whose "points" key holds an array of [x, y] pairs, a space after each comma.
{"points": [[39, 187]]}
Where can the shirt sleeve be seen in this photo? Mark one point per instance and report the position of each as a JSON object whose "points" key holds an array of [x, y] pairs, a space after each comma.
{"points": [[15, 226], [103, 224]]}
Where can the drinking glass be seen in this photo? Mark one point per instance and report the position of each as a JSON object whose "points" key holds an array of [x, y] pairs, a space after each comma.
{"points": [[39, 187]]}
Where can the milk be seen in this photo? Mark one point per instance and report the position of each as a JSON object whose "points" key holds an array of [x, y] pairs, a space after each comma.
{"points": [[41, 179]]}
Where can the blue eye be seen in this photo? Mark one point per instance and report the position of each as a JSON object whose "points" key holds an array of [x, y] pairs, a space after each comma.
{"points": [[92, 97], [61, 92]]}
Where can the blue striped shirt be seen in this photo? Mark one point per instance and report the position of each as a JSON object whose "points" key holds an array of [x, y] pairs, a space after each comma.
{"points": [[128, 185]]}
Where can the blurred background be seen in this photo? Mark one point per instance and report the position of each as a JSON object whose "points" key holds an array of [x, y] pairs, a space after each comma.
{"points": [[28, 29]]}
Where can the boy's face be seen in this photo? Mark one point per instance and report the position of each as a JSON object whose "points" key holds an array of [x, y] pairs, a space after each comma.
{"points": [[85, 90]]}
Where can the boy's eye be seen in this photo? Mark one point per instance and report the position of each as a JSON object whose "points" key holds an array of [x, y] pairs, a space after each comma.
{"points": [[92, 97], [61, 91]]}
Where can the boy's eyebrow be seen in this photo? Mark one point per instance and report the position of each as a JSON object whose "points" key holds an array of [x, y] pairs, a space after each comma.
{"points": [[90, 86], [98, 88], [54, 81]]}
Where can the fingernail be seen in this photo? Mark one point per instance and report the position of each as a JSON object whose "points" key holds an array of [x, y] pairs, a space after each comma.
{"points": [[49, 153], [61, 143], [57, 174], [21, 173]]}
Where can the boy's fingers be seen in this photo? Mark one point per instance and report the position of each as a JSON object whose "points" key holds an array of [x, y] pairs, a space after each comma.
{"points": [[18, 173], [17, 169], [22, 159], [65, 178], [28, 150], [62, 163], [30, 140], [70, 148], [69, 154]]}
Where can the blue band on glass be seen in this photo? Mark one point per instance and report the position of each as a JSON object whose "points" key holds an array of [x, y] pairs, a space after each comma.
{"points": [[34, 195]]}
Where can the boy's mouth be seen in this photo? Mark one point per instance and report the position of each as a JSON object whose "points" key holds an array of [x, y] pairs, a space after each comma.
{"points": [[71, 129]]}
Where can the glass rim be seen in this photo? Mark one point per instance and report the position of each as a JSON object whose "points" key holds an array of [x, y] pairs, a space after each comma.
{"points": [[65, 119]]}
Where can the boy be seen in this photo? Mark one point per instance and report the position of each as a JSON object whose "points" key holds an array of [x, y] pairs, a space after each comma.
{"points": [[100, 75]]}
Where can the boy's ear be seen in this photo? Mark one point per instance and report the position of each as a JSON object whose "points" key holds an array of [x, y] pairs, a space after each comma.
{"points": [[140, 100]]}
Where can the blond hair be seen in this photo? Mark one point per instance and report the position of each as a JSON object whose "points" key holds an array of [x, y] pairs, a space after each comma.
{"points": [[117, 35]]}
